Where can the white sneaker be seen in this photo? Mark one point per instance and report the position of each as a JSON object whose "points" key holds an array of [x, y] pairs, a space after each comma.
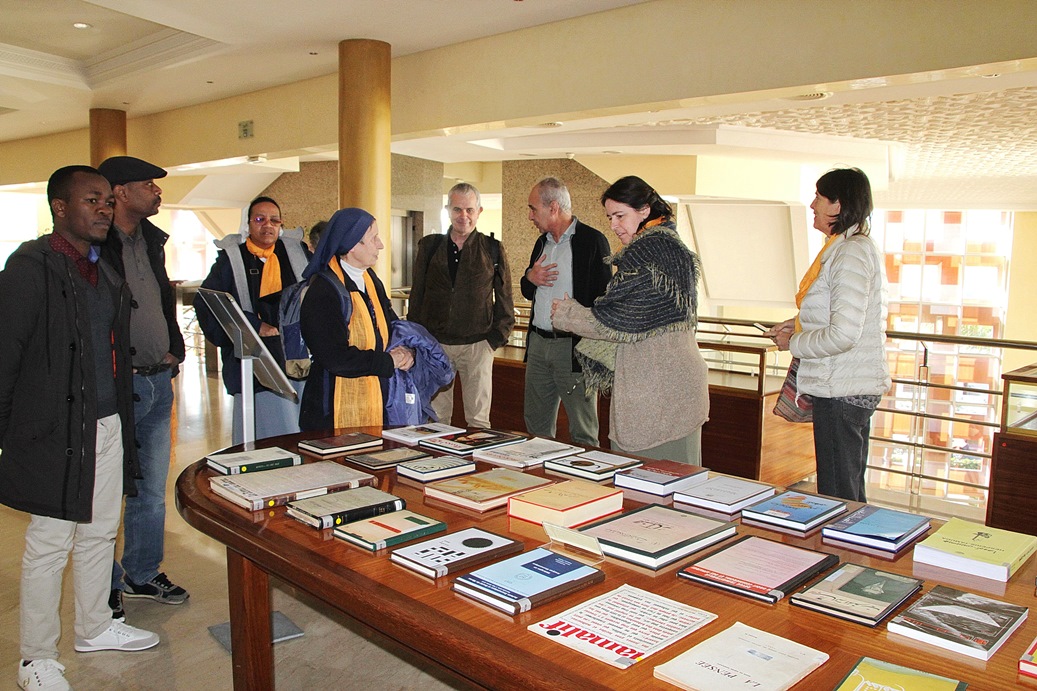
{"points": [[42, 674], [118, 636]]}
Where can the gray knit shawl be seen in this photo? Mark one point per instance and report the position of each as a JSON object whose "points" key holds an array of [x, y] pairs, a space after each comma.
{"points": [[653, 291]]}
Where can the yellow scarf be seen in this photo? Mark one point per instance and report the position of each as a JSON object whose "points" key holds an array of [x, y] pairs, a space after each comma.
{"points": [[358, 400], [271, 281], [810, 276]]}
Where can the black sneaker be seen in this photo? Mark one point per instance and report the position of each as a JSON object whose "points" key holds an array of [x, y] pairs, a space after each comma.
{"points": [[159, 589], [115, 602]]}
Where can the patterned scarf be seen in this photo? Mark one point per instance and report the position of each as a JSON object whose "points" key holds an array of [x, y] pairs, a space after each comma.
{"points": [[358, 400], [271, 281]]}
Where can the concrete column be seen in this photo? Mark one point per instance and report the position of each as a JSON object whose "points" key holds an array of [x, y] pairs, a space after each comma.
{"points": [[107, 134], [365, 131]]}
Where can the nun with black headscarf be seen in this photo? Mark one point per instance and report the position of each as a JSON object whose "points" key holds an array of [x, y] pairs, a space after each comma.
{"points": [[348, 381]]}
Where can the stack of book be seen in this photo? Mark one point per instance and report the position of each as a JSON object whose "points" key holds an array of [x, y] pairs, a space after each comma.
{"points": [[568, 504], [759, 568], [526, 454], [415, 433], [655, 536], [876, 528], [470, 442], [661, 478], [388, 530], [448, 554], [796, 512], [339, 444], [252, 461], [965, 623], [976, 549], [724, 494], [279, 486], [858, 593], [483, 491], [344, 507], [435, 468], [597, 466]]}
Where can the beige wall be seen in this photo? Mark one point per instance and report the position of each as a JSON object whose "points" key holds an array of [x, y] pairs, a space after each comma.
{"points": [[1021, 319]]}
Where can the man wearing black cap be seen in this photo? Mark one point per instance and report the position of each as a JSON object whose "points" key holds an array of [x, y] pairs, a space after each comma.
{"points": [[134, 246]]}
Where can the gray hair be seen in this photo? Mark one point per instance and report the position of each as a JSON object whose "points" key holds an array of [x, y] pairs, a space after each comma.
{"points": [[552, 189], [464, 188]]}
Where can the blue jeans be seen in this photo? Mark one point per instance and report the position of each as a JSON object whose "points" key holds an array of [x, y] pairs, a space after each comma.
{"points": [[841, 433], [144, 520]]}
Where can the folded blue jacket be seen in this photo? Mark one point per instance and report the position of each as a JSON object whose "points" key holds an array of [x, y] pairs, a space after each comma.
{"points": [[411, 392]]}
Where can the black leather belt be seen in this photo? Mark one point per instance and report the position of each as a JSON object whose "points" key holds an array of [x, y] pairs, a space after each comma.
{"points": [[544, 333], [152, 369]]}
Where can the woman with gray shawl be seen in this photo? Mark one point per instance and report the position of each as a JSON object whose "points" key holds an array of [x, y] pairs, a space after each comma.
{"points": [[639, 337]]}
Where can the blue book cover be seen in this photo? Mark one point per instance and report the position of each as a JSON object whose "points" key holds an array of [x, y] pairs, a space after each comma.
{"points": [[877, 523], [529, 578], [795, 509]]}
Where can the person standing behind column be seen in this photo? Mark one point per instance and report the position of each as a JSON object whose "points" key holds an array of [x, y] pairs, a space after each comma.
{"points": [[462, 295], [134, 248], [568, 259], [65, 401]]}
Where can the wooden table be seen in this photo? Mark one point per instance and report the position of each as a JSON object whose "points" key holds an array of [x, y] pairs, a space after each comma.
{"points": [[493, 650]]}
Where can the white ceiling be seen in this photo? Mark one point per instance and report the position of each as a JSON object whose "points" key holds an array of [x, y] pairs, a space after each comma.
{"points": [[960, 138]]}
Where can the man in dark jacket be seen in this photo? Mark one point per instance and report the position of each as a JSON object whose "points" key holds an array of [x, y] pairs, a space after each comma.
{"points": [[65, 404], [568, 259], [134, 248]]}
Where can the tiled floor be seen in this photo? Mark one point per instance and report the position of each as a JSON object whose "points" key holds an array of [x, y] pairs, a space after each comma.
{"points": [[334, 653]]}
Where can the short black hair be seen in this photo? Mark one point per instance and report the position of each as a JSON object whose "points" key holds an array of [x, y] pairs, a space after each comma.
{"points": [[260, 200], [59, 186], [851, 188]]}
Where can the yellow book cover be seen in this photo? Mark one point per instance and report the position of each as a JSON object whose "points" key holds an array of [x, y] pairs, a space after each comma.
{"points": [[876, 674], [972, 547]]}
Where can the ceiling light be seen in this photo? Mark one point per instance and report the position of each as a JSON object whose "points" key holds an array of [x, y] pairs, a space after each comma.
{"points": [[812, 96], [992, 75], [611, 153], [313, 52], [548, 125], [82, 25]]}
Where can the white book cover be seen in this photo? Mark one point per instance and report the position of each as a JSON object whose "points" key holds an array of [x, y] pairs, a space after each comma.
{"points": [[526, 454], [296, 482], [415, 433], [624, 626], [723, 492], [741, 657], [435, 557]]}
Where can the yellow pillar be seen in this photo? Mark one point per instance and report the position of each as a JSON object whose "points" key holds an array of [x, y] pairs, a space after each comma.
{"points": [[365, 135], [107, 134]]}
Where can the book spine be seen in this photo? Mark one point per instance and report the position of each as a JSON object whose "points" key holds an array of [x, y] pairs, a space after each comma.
{"points": [[264, 465], [359, 514]]}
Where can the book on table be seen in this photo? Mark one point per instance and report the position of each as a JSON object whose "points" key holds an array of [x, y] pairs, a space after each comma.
{"points": [[1028, 660], [965, 623], [976, 549], [870, 673], [741, 657], [519, 583], [340, 443], [470, 442], [796, 511], [876, 527], [724, 494], [415, 433], [661, 478], [435, 468], [387, 458], [569, 503], [350, 505], [599, 466], [624, 626], [454, 552], [858, 593], [655, 536], [759, 568], [254, 461], [388, 530], [483, 491], [527, 453], [279, 486]]}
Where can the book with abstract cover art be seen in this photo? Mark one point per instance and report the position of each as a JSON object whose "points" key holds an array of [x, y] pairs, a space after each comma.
{"points": [[794, 510], [527, 453], [483, 491], [379, 532], [598, 466], [464, 444], [858, 593], [450, 553], [876, 527], [870, 673]]}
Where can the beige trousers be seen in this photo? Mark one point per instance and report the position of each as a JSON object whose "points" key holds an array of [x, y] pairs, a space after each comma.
{"points": [[473, 363]]}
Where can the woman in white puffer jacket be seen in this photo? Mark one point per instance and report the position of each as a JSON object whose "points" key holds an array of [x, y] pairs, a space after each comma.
{"points": [[840, 333]]}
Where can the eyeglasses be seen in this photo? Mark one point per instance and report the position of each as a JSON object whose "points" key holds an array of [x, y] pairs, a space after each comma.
{"points": [[262, 220]]}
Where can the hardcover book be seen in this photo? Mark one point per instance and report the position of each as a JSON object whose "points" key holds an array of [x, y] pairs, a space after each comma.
{"points": [[655, 536], [741, 657], [483, 491], [447, 554], [252, 461], [758, 568], [793, 510], [526, 580], [624, 626], [279, 486], [415, 433], [344, 507], [661, 478], [976, 549], [962, 622], [1027, 663], [526, 454], [435, 468], [876, 527], [858, 593], [598, 466], [388, 530], [870, 673], [568, 504], [724, 494], [388, 458], [340, 443], [464, 444]]}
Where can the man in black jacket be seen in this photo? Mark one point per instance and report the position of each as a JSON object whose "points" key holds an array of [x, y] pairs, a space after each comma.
{"points": [[134, 247], [568, 259], [66, 423]]}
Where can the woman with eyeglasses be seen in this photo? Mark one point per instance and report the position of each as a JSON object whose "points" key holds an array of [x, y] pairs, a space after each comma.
{"points": [[254, 266]]}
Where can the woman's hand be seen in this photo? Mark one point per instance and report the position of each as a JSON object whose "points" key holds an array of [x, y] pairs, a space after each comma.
{"points": [[554, 305], [402, 358], [781, 333]]}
